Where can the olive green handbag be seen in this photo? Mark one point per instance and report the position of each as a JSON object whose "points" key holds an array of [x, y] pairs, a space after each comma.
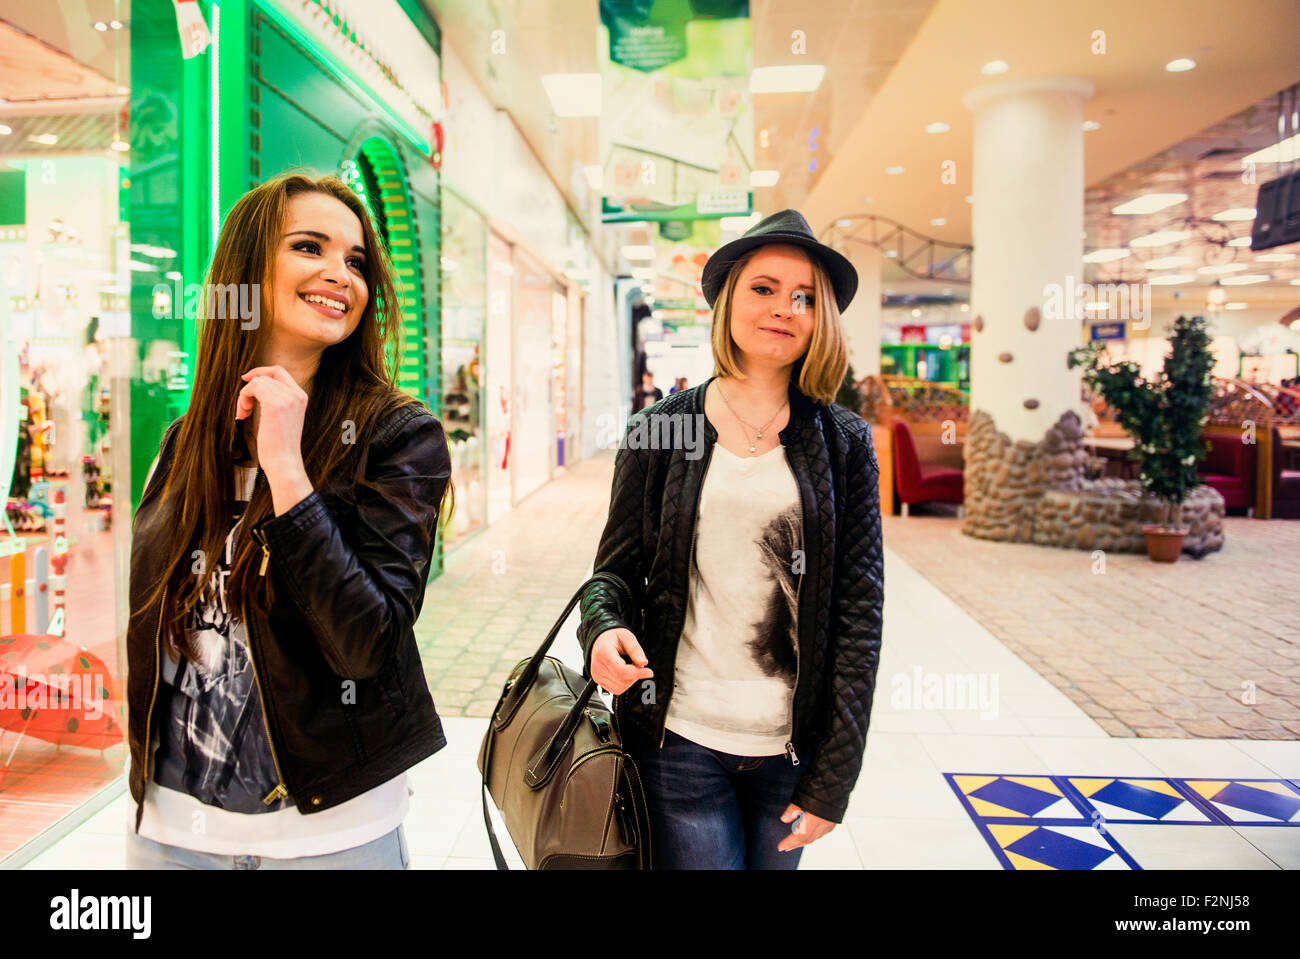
{"points": [[554, 764]]}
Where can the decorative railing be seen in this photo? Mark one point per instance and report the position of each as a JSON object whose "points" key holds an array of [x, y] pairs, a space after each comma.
{"points": [[916, 401]]}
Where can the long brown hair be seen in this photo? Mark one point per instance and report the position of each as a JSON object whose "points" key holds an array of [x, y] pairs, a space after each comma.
{"points": [[354, 386]]}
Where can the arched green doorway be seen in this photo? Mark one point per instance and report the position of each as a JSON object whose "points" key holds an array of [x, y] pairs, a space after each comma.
{"points": [[376, 173]]}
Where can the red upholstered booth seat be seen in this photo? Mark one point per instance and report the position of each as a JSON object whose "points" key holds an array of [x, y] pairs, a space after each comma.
{"points": [[1286, 484], [1229, 467], [922, 482]]}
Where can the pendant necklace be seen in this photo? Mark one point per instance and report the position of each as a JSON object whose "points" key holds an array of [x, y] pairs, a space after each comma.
{"points": [[753, 445]]}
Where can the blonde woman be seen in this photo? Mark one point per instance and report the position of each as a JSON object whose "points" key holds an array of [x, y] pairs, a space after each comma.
{"points": [[744, 659]]}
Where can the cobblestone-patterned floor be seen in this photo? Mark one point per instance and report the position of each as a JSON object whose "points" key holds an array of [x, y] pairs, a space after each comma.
{"points": [[502, 590], [1144, 648]]}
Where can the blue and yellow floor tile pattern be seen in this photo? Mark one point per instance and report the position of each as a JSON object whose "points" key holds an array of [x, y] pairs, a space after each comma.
{"points": [[1058, 822]]}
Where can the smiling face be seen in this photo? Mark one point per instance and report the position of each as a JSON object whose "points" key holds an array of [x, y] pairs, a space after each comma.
{"points": [[320, 283], [773, 307]]}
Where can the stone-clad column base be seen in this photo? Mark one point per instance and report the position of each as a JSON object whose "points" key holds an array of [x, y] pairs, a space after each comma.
{"points": [[1023, 492]]}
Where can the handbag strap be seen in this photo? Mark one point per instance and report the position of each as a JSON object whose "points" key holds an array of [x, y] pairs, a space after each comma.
{"points": [[516, 691]]}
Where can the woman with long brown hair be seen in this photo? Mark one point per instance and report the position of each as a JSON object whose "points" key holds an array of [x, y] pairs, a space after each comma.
{"points": [[279, 559]]}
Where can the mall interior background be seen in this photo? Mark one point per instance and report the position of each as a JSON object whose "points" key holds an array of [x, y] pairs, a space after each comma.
{"points": [[549, 190]]}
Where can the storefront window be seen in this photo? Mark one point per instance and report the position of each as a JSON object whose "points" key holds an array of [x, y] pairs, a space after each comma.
{"points": [[65, 267], [464, 316]]}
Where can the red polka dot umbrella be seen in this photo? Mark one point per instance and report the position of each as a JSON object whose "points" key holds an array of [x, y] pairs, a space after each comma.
{"points": [[57, 692]]}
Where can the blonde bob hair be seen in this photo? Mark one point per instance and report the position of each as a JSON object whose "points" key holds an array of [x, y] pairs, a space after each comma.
{"points": [[820, 371]]}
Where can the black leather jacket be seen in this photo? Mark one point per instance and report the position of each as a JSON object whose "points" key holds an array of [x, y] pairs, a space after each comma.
{"points": [[350, 573], [648, 542]]}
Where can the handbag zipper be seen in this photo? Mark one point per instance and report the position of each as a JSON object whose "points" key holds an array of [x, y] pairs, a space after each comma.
{"points": [[280, 791], [585, 756]]}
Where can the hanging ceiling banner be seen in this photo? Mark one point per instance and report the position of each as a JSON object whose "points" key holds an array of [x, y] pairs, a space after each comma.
{"points": [[677, 117]]}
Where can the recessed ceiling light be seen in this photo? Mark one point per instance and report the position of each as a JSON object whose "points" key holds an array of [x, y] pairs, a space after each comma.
{"points": [[1235, 305], [1239, 241], [1105, 256], [1218, 269], [915, 311], [1247, 279], [1296, 281], [121, 146], [844, 222], [994, 67], [1150, 203], [100, 25], [49, 139], [1274, 257], [1160, 238], [937, 127], [761, 178], [893, 170], [115, 24], [1167, 262], [1171, 279], [965, 307], [1236, 213], [1090, 125], [939, 221], [1284, 151], [799, 78], [1181, 65], [5, 129], [573, 94], [891, 253]]}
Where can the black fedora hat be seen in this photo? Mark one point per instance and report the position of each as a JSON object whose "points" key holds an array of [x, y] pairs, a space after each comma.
{"points": [[788, 226]]}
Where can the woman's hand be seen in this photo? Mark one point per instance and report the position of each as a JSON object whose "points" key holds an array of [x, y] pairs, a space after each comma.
{"points": [[810, 829], [607, 666], [281, 406]]}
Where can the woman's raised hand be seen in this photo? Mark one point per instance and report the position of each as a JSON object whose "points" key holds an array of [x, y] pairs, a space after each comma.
{"points": [[608, 668], [282, 404]]}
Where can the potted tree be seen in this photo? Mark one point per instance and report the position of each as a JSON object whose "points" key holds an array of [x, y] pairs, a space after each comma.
{"points": [[1165, 417]]}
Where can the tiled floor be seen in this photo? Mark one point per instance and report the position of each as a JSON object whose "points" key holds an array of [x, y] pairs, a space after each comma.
{"points": [[1203, 648], [904, 812]]}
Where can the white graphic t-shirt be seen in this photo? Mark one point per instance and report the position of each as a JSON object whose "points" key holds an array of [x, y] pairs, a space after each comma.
{"points": [[733, 685]]}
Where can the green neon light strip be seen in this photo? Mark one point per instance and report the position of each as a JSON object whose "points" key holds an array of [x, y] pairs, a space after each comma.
{"points": [[345, 75], [397, 213]]}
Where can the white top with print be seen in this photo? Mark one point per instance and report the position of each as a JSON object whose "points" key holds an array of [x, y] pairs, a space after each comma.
{"points": [[733, 685]]}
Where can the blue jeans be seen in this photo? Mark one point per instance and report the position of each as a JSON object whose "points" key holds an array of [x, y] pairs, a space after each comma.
{"points": [[386, 852], [713, 810]]}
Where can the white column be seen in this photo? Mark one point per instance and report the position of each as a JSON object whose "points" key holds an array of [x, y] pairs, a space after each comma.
{"points": [[1027, 229], [861, 321]]}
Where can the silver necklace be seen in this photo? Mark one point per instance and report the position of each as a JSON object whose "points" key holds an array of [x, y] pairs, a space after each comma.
{"points": [[753, 445]]}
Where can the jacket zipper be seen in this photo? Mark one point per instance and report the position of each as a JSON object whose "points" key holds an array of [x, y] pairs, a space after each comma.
{"points": [[266, 550], [281, 790], [798, 612], [690, 563], [153, 697]]}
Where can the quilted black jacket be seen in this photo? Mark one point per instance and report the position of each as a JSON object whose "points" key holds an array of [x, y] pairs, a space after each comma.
{"points": [[647, 542], [345, 701]]}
